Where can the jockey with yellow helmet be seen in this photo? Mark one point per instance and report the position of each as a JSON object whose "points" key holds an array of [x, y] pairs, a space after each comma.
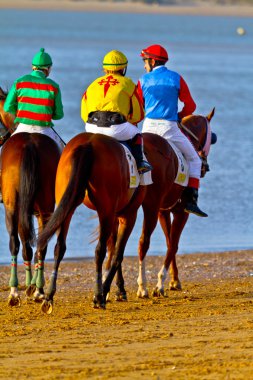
{"points": [[111, 106], [35, 99], [160, 90]]}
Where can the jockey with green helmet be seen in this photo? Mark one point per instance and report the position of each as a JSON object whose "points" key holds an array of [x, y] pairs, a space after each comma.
{"points": [[35, 99], [111, 106]]}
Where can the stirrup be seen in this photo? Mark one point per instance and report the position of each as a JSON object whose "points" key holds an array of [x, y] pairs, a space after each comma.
{"points": [[144, 167], [192, 208]]}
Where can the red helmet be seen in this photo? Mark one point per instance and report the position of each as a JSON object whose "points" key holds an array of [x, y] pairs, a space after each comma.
{"points": [[156, 52]]}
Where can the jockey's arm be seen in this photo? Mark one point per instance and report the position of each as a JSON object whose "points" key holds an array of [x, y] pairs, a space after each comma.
{"points": [[58, 110], [84, 109], [186, 98], [11, 103], [137, 112]]}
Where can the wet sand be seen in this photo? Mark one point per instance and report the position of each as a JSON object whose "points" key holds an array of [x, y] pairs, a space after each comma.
{"points": [[203, 332], [194, 7]]}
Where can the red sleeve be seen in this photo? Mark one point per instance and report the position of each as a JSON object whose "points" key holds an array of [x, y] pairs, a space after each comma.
{"points": [[140, 94], [186, 98]]}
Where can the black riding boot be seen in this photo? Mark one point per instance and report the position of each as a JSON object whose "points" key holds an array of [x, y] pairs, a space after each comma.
{"points": [[191, 204], [137, 150]]}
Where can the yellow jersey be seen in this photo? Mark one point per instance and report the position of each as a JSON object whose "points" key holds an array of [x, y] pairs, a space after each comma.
{"points": [[115, 93]]}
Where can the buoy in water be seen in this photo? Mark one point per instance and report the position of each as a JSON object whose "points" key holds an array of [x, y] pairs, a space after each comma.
{"points": [[241, 31]]}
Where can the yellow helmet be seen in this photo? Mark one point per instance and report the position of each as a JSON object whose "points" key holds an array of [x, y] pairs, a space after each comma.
{"points": [[114, 61]]}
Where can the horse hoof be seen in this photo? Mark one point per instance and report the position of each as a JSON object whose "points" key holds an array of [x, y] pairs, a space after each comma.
{"points": [[30, 290], [47, 307], [142, 294], [38, 295], [39, 298], [121, 297], [159, 293], [175, 285], [99, 302], [14, 301], [99, 306]]}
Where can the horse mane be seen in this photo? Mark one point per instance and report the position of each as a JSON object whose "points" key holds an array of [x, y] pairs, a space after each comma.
{"points": [[3, 94]]}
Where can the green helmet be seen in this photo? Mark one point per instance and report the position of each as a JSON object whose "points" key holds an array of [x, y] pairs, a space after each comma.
{"points": [[42, 59]]}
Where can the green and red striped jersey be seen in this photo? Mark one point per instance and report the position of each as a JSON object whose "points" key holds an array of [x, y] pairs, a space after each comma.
{"points": [[35, 99]]}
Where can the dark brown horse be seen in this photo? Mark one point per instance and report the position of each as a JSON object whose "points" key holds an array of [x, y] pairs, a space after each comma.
{"points": [[93, 170], [28, 169], [165, 201]]}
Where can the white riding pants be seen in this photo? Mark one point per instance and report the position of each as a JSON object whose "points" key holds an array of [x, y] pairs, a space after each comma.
{"points": [[171, 132], [38, 129], [121, 132]]}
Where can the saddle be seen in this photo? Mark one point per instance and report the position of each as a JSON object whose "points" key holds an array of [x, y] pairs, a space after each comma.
{"points": [[106, 118]]}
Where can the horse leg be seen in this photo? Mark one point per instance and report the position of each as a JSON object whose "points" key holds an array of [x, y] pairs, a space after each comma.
{"points": [[149, 224], [172, 231], [27, 254], [59, 251], [121, 293], [14, 244], [126, 224], [106, 228], [111, 243], [36, 288], [39, 280]]}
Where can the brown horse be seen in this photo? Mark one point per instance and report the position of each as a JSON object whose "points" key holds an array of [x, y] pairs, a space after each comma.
{"points": [[164, 199], [28, 169], [93, 170]]}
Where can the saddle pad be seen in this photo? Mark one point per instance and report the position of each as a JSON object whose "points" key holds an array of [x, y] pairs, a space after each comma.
{"points": [[182, 177], [135, 178]]}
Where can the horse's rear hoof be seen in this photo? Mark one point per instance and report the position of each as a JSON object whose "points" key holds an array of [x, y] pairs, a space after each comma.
{"points": [[175, 285], [38, 295], [47, 307], [14, 301], [142, 293], [30, 290], [121, 297], [159, 293], [99, 302]]}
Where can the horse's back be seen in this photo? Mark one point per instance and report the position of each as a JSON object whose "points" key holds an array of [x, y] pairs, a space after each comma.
{"points": [[109, 173]]}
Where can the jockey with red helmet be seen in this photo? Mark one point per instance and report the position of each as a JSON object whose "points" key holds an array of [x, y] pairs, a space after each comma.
{"points": [[111, 106], [160, 90]]}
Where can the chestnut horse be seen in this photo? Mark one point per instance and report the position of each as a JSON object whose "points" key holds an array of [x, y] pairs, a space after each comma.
{"points": [[93, 170], [165, 199], [28, 169]]}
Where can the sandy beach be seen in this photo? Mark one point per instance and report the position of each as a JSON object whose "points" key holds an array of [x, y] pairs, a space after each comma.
{"points": [[203, 332], [208, 8]]}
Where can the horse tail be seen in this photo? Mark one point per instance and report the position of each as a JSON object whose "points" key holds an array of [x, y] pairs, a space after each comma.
{"points": [[81, 165], [28, 185]]}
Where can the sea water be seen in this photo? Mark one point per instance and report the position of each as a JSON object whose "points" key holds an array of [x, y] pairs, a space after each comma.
{"points": [[216, 63]]}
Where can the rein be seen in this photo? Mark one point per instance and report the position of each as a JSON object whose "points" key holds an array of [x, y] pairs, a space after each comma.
{"points": [[182, 126]]}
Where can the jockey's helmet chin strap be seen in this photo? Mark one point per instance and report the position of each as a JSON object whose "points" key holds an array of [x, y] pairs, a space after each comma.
{"points": [[150, 66]]}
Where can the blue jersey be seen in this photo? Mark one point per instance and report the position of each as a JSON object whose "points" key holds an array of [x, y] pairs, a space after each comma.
{"points": [[160, 91]]}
